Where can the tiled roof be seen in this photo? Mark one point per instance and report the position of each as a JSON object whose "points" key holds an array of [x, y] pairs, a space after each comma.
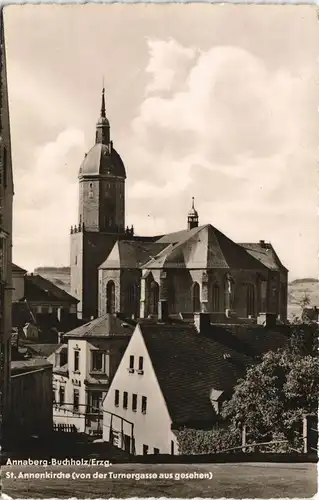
{"points": [[18, 269], [105, 326], [42, 350], [190, 367], [24, 366], [265, 253], [204, 247], [131, 254], [39, 289]]}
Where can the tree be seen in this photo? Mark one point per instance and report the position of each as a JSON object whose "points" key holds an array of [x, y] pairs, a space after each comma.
{"points": [[276, 393]]}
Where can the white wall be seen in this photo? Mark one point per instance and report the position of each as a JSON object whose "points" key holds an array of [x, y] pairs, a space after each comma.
{"points": [[153, 428]]}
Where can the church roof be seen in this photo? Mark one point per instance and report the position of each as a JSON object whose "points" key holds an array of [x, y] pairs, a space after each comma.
{"points": [[131, 254], [204, 247], [99, 161], [265, 253]]}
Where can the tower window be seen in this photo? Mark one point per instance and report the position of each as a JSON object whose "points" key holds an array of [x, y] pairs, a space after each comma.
{"points": [[91, 190], [110, 297]]}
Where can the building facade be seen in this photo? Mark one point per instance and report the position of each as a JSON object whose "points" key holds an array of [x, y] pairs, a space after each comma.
{"points": [[6, 199], [198, 269], [83, 371]]}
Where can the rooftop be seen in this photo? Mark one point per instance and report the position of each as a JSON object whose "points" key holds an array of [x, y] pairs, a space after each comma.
{"points": [[189, 365], [39, 289], [105, 326], [29, 365]]}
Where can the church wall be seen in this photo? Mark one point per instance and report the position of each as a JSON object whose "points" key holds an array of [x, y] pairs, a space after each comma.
{"points": [[130, 291], [97, 247], [89, 197], [105, 275], [112, 204]]}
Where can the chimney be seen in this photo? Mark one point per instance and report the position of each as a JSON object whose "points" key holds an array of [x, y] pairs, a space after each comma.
{"points": [[201, 321], [262, 243], [163, 310]]}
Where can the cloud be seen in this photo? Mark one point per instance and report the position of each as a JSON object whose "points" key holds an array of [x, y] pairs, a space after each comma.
{"points": [[45, 201], [236, 134], [168, 64]]}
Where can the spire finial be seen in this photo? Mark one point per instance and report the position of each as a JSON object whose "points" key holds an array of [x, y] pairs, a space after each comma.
{"points": [[103, 115], [193, 202]]}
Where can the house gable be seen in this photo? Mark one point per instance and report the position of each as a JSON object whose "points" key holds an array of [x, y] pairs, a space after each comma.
{"points": [[152, 428]]}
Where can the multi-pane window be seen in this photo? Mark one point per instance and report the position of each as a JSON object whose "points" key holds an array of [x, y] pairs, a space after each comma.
{"points": [[117, 397], [61, 395], [76, 399], [76, 360], [97, 361], [134, 402], [95, 401], [125, 400], [144, 404], [250, 300]]}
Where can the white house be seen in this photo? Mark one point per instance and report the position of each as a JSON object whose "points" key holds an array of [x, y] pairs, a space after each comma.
{"points": [[83, 370]]}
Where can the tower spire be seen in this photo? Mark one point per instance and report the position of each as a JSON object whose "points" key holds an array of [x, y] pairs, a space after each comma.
{"points": [[192, 218], [103, 115], [103, 126]]}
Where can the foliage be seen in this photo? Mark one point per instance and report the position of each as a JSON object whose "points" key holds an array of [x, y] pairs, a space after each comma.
{"points": [[276, 393], [197, 441]]}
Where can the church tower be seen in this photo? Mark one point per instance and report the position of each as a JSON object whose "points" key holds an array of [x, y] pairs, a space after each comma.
{"points": [[192, 218], [102, 183], [101, 216]]}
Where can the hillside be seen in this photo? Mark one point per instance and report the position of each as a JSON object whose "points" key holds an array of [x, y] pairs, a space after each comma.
{"points": [[297, 289]]}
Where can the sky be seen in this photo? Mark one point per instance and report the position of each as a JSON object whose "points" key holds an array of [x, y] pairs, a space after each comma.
{"points": [[219, 102]]}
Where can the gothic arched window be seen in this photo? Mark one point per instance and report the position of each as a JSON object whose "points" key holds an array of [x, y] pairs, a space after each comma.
{"points": [[250, 298], [195, 297], [154, 297], [215, 298], [110, 297]]}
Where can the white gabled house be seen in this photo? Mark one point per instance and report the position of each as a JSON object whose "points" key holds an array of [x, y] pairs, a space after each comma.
{"points": [[135, 405]]}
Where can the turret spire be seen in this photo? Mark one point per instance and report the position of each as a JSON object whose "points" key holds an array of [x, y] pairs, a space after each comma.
{"points": [[192, 218]]}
